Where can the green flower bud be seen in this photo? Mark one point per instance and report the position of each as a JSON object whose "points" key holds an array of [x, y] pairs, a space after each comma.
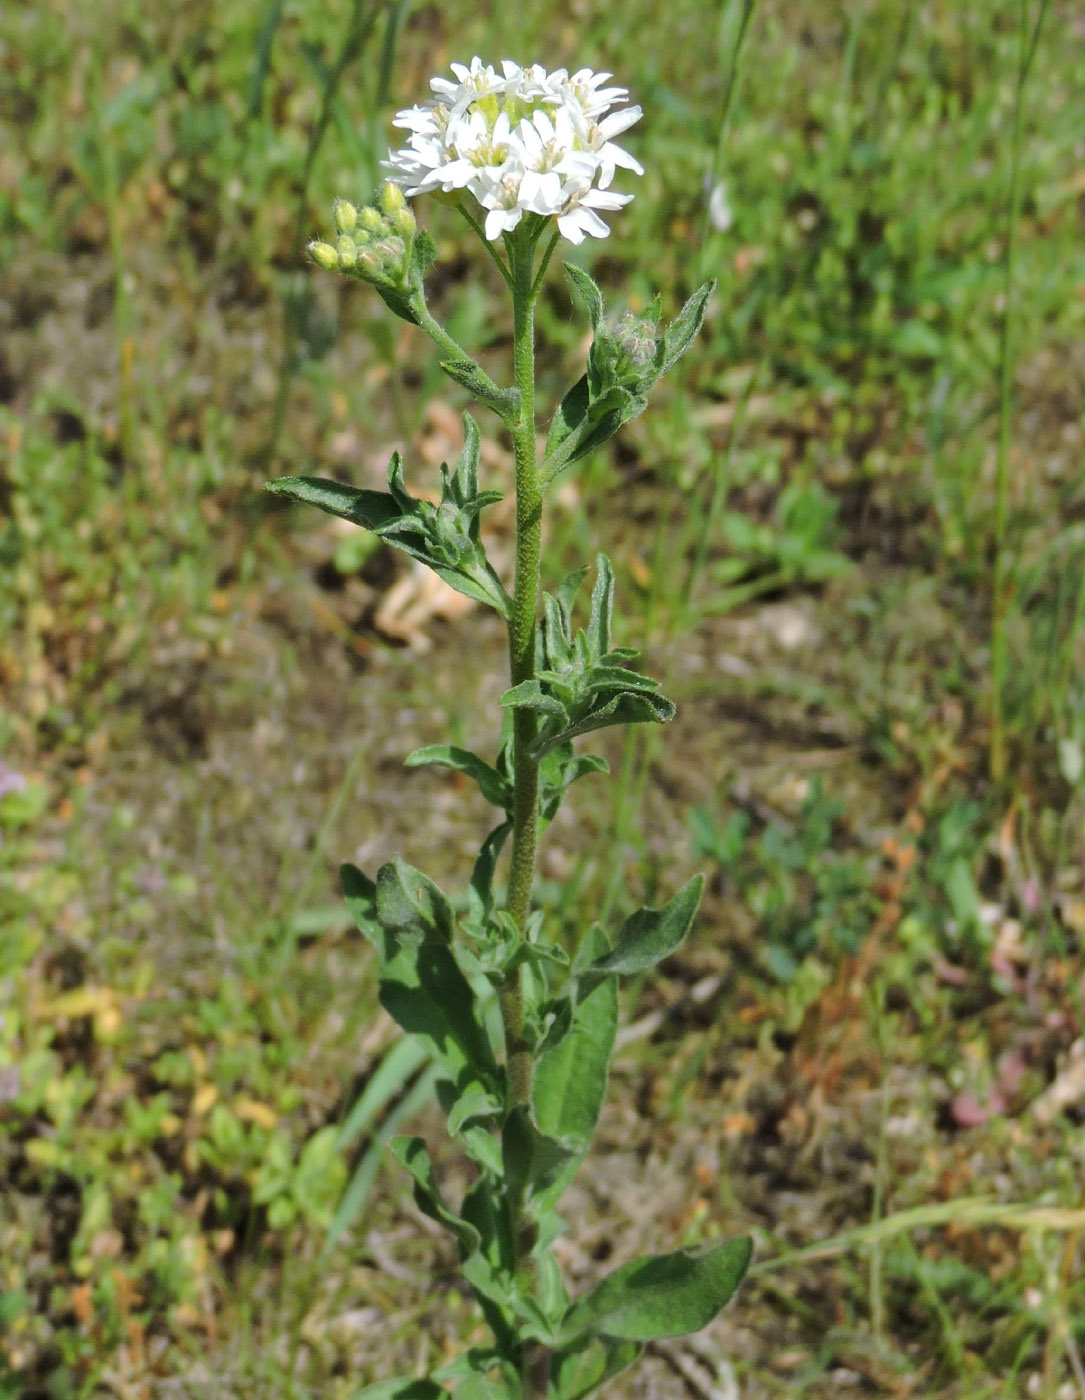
{"points": [[404, 223], [371, 220], [324, 255], [346, 251], [392, 200], [346, 216], [369, 264]]}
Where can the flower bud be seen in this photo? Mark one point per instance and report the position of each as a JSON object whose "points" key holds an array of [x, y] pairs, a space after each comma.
{"points": [[404, 223], [346, 216], [392, 200], [371, 220], [391, 252], [637, 337], [346, 252], [369, 264], [324, 255]]}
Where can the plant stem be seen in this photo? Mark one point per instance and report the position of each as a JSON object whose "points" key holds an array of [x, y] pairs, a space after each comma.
{"points": [[525, 603], [535, 1366]]}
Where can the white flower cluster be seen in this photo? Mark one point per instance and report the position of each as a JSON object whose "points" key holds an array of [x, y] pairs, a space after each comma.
{"points": [[524, 141]]}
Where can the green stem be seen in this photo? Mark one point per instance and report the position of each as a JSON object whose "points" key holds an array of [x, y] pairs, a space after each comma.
{"points": [[525, 605], [535, 1365]]}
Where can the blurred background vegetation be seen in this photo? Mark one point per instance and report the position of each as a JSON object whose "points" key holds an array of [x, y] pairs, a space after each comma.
{"points": [[850, 537]]}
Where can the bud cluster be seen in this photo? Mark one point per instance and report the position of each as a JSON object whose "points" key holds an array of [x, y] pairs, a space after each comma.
{"points": [[636, 335], [373, 243]]}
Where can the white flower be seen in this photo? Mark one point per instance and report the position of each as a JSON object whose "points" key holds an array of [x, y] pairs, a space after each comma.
{"points": [[524, 141]]}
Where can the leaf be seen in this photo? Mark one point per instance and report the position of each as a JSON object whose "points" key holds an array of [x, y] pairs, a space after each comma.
{"points": [[665, 1295], [411, 1154], [423, 989], [629, 707], [602, 608], [534, 1162], [402, 1390], [360, 893], [650, 935], [588, 292], [529, 695], [480, 891], [679, 335], [445, 538], [470, 376], [410, 905], [579, 1371], [371, 509], [491, 784], [571, 1079]]}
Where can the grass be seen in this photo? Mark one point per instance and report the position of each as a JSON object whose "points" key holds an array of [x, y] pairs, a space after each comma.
{"points": [[863, 502]]}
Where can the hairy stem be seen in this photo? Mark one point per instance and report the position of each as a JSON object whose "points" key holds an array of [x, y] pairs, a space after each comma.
{"points": [[525, 769], [525, 603]]}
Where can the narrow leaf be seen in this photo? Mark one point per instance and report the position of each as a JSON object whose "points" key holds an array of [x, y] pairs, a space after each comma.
{"points": [[491, 784], [480, 893], [470, 376], [370, 509], [679, 335], [602, 608], [411, 1153], [650, 935], [571, 1079], [665, 1295], [630, 707], [588, 292]]}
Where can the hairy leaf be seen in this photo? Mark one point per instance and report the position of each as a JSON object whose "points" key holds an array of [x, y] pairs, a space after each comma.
{"points": [[579, 1371], [491, 784], [650, 935], [664, 1295], [571, 1079]]}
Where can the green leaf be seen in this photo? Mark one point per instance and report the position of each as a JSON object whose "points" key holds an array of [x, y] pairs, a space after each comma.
{"points": [[480, 891], [579, 1371], [444, 537], [402, 1390], [665, 1295], [534, 1161], [571, 1079], [588, 292], [470, 376], [360, 893], [491, 784], [628, 707], [529, 695], [373, 510], [411, 1153], [679, 335], [410, 907], [423, 989], [650, 935], [602, 609]]}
